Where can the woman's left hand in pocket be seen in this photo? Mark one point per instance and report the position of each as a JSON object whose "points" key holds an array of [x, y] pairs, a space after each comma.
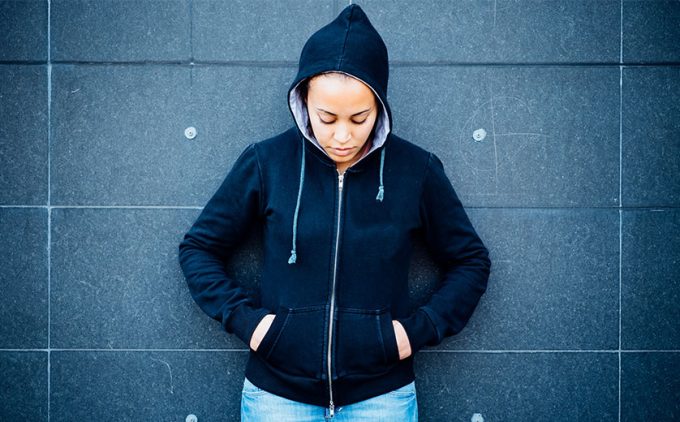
{"points": [[402, 340]]}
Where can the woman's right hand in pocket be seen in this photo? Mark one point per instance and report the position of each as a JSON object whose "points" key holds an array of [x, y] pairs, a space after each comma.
{"points": [[261, 330]]}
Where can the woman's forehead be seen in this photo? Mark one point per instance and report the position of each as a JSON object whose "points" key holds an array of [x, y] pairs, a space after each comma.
{"points": [[339, 91]]}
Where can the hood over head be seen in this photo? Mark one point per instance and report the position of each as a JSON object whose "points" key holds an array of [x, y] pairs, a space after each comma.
{"points": [[351, 45]]}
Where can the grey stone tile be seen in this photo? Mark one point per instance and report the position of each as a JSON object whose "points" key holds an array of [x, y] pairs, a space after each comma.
{"points": [[23, 33], [232, 107], [650, 386], [23, 135], [517, 386], [651, 31], [23, 383], [146, 385], [649, 279], [554, 281], [262, 30], [23, 279], [118, 137], [110, 30], [651, 136], [551, 133], [117, 283], [118, 133], [499, 32]]}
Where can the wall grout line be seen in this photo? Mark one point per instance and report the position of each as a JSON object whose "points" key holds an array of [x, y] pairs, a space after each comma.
{"points": [[49, 209], [621, 32], [499, 207], [191, 31], [483, 351], [191, 45], [393, 63], [620, 192], [190, 207]]}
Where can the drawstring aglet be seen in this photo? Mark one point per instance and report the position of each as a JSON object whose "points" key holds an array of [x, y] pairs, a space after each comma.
{"points": [[381, 192], [293, 257]]}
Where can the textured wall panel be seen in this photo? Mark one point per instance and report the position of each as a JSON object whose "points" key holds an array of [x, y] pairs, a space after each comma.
{"points": [[556, 122]]}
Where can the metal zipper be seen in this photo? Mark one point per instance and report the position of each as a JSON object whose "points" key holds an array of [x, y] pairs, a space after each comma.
{"points": [[331, 406]]}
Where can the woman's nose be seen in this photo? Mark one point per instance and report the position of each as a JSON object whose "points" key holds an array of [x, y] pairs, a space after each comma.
{"points": [[342, 135]]}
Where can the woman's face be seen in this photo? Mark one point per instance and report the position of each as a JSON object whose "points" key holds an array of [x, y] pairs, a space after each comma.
{"points": [[342, 112]]}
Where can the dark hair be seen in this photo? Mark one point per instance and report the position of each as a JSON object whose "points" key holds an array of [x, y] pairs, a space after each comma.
{"points": [[304, 89]]}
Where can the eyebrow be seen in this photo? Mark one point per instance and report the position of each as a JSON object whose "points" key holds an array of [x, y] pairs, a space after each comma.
{"points": [[355, 114]]}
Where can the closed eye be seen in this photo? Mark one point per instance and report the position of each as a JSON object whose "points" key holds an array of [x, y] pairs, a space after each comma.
{"points": [[330, 123]]}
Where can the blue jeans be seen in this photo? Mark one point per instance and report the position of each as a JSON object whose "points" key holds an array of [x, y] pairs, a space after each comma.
{"points": [[258, 405]]}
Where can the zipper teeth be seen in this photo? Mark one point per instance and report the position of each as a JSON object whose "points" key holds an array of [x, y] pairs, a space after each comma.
{"points": [[335, 269]]}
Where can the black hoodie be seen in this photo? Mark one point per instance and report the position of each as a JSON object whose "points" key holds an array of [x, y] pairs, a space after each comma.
{"points": [[337, 247]]}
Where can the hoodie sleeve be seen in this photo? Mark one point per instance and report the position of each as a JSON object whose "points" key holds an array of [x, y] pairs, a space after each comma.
{"points": [[456, 247], [218, 230]]}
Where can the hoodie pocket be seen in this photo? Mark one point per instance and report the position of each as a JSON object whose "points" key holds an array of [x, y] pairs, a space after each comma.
{"points": [[365, 341], [294, 342]]}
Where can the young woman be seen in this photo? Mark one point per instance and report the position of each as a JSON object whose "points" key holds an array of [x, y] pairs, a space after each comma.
{"points": [[339, 199]]}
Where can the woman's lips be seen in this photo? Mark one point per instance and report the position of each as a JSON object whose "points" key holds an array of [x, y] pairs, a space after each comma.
{"points": [[343, 151]]}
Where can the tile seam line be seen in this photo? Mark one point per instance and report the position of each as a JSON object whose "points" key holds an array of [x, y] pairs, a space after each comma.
{"points": [[191, 31], [620, 196], [49, 209], [481, 351], [291, 63], [650, 208]]}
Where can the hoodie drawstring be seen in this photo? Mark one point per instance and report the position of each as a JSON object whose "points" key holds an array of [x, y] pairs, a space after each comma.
{"points": [[293, 253], [381, 194], [381, 189]]}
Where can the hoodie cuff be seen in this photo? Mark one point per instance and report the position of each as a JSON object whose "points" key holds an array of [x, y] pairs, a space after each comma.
{"points": [[244, 320], [420, 330]]}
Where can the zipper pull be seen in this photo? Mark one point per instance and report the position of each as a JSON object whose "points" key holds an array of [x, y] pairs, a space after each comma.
{"points": [[331, 407], [340, 179]]}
